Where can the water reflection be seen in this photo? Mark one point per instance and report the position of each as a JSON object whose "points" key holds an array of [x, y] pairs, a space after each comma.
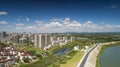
{"points": [[110, 57], [61, 51]]}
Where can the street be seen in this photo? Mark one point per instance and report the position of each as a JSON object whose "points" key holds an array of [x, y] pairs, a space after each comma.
{"points": [[86, 56]]}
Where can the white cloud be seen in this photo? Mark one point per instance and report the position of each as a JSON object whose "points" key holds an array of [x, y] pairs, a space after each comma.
{"points": [[39, 22], [3, 22], [53, 24], [57, 19], [74, 23], [27, 19], [108, 26], [20, 24], [66, 21], [23, 26], [118, 26], [20, 28], [30, 27], [3, 13], [88, 24]]}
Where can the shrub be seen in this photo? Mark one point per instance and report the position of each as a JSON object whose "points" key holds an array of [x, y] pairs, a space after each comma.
{"points": [[26, 60]]}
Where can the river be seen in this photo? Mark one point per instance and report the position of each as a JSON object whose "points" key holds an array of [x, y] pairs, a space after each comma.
{"points": [[110, 57], [61, 51]]}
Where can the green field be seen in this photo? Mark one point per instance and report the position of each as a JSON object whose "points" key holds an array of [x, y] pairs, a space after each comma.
{"points": [[74, 60]]}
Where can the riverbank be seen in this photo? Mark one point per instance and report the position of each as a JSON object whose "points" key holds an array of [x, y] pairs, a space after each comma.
{"points": [[102, 50], [92, 55]]}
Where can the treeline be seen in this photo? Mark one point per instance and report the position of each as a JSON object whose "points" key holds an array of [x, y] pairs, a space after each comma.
{"points": [[100, 37]]}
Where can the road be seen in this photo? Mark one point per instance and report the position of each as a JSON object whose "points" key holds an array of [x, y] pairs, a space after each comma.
{"points": [[86, 56]]}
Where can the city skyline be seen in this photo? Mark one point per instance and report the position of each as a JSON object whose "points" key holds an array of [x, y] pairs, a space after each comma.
{"points": [[54, 16]]}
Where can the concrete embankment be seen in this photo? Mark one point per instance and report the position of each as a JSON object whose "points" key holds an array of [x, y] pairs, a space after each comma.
{"points": [[91, 60]]}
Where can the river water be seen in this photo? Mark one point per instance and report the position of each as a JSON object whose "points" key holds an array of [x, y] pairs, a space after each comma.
{"points": [[61, 51], [110, 57]]}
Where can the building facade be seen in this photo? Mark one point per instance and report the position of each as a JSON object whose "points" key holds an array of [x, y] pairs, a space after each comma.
{"points": [[42, 40]]}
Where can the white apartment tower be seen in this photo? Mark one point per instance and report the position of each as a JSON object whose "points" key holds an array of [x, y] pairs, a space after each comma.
{"points": [[42, 40]]}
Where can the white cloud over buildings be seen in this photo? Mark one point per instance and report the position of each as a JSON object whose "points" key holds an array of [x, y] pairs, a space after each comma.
{"points": [[23, 26], [74, 24], [53, 24], [66, 21], [67, 25]]}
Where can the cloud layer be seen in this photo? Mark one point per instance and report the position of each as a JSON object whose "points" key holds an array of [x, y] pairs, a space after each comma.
{"points": [[66, 25]]}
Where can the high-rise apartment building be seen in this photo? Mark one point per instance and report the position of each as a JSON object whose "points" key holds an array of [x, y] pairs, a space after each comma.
{"points": [[15, 38], [4, 33], [42, 40]]}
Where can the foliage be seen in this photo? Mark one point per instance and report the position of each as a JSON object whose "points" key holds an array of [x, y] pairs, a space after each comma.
{"points": [[31, 52], [30, 43], [45, 62], [17, 60], [39, 56], [72, 53], [26, 60], [3, 44]]}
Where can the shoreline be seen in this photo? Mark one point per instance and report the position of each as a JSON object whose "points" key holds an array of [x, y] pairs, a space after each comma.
{"points": [[102, 50], [92, 56]]}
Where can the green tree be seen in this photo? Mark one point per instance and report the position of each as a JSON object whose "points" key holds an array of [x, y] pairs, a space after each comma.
{"points": [[31, 52], [3, 44], [26, 60]]}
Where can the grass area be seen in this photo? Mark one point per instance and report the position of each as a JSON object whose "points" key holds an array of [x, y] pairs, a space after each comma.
{"points": [[74, 60], [91, 45]]}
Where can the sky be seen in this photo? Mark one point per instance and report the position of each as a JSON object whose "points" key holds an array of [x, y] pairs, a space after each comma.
{"points": [[54, 16]]}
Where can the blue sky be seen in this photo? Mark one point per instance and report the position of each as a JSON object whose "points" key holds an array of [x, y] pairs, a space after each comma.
{"points": [[46, 16]]}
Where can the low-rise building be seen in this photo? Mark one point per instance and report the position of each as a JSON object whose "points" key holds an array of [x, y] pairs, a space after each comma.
{"points": [[8, 56]]}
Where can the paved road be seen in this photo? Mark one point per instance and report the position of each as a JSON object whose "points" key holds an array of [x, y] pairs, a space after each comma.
{"points": [[86, 56]]}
